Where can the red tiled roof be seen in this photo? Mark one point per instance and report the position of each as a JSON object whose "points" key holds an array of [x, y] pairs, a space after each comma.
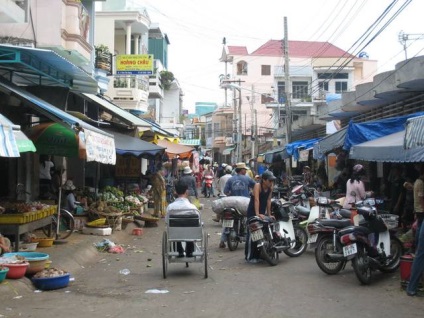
{"points": [[237, 50], [301, 49]]}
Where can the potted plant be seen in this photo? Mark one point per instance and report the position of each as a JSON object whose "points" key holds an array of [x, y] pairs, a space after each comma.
{"points": [[103, 57]]}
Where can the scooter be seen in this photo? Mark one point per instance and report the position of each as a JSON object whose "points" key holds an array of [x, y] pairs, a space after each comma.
{"points": [[234, 226], [273, 236], [208, 186], [372, 244]]}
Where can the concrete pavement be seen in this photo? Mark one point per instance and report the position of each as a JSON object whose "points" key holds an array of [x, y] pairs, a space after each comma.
{"points": [[71, 255], [79, 251]]}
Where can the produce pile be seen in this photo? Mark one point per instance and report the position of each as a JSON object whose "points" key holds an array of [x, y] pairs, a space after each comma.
{"points": [[111, 201], [50, 272], [21, 207]]}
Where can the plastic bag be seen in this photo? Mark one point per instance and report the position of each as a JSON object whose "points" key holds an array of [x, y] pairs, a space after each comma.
{"points": [[196, 202]]}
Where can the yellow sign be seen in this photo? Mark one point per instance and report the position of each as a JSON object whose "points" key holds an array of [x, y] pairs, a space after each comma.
{"points": [[134, 64]]}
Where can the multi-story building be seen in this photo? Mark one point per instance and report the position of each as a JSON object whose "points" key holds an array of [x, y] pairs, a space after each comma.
{"points": [[316, 70]]}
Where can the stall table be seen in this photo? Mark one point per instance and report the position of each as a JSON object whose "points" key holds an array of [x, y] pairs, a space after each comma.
{"points": [[21, 223]]}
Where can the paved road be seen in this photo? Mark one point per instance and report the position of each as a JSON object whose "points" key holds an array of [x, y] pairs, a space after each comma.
{"points": [[294, 288]]}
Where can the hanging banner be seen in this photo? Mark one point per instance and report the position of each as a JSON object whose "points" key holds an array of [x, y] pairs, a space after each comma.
{"points": [[99, 147], [196, 160]]}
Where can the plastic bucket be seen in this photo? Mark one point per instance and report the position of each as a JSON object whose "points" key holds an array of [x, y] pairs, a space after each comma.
{"points": [[405, 268]]}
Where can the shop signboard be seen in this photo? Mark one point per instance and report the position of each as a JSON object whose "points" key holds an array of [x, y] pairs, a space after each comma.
{"points": [[134, 64]]}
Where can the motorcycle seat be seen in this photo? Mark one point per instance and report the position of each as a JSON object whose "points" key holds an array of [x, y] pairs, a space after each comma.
{"points": [[339, 224], [345, 213], [353, 228]]}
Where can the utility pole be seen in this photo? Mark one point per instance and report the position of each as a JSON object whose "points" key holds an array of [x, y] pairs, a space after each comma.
{"points": [[288, 91], [252, 128]]}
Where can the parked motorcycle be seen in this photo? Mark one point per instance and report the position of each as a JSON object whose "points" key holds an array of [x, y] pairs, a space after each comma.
{"points": [[208, 186], [328, 249], [234, 226], [274, 236], [372, 244]]}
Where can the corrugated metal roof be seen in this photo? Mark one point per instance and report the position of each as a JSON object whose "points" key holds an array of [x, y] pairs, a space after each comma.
{"points": [[414, 136], [30, 66]]}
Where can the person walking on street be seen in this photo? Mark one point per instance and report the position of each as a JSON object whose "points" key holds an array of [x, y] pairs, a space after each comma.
{"points": [[417, 269], [159, 194], [190, 181], [182, 207], [260, 206], [223, 180]]}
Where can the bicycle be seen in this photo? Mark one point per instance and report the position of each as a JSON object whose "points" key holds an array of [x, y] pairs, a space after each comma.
{"points": [[66, 225]]}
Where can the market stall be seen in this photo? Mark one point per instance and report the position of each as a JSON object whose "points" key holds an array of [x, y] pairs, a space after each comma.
{"points": [[20, 218]]}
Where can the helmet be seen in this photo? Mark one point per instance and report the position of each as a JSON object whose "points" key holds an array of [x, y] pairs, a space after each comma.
{"points": [[268, 175], [228, 168], [358, 168], [223, 165]]}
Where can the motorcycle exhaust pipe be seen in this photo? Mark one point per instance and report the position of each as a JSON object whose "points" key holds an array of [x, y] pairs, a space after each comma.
{"points": [[335, 257]]}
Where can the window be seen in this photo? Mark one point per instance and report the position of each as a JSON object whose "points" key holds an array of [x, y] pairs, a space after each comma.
{"points": [[266, 70], [242, 68], [341, 87], [328, 76], [300, 90], [217, 132], [323, 86]]}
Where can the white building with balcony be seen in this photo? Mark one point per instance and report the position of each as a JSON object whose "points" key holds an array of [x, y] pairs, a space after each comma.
{"points": [[316, 69]]}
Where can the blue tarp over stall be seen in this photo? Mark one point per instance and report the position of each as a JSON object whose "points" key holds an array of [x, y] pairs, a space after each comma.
{"points": [[293, 147], [358, 133]]}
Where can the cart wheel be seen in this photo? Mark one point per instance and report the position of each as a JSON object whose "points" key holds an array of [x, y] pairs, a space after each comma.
{"points": [[205, 252], [165, 253]]}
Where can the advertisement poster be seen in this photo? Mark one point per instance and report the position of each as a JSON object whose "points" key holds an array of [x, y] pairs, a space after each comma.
{"points": [[134, 64]]}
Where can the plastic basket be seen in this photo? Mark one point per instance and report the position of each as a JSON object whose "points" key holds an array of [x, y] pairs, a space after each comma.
{"points": [[391, 220]]}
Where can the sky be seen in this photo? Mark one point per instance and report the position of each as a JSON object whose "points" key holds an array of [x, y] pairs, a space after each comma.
{"points": [[196, 29]]}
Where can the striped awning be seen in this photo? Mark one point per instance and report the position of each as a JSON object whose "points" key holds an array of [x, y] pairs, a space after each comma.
{"points": [[12, 140], [190, 142], [414, 133]]}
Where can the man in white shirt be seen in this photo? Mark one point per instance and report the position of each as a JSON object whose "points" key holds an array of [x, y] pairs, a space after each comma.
{"points": [[182, 206], [223, 180]]}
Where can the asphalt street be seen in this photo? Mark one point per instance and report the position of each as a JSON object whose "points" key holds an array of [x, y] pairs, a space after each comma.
{"points": [[294, 288]]}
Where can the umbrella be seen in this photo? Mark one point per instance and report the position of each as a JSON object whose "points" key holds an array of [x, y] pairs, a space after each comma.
{"points": [[55, 139]]}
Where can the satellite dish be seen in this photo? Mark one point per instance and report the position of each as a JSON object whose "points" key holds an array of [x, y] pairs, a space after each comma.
{"points": [[363, 55]]}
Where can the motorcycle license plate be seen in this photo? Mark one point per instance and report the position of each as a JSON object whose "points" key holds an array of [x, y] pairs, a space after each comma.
{"points": [[227, 223], [349, 250], [313, 238], [257, 235]]}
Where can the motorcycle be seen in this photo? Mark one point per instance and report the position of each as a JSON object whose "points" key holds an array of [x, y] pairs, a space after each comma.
{"points": [[273, 236], [234, 225], [328, 249], [208, 186], [372, 244]]}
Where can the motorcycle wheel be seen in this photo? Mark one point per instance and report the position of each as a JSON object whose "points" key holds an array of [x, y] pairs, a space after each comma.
{"points": [[298, 247], [325, 246], [396, 251], [269, 254], [361, 265], [232, 240]]}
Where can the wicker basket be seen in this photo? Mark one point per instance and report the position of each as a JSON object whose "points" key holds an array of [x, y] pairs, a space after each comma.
{"points": [[114, 219], [391, 220]]}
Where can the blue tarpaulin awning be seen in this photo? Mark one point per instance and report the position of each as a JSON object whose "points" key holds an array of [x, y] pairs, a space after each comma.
{"points": [[358, 133], [294, 147]]}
